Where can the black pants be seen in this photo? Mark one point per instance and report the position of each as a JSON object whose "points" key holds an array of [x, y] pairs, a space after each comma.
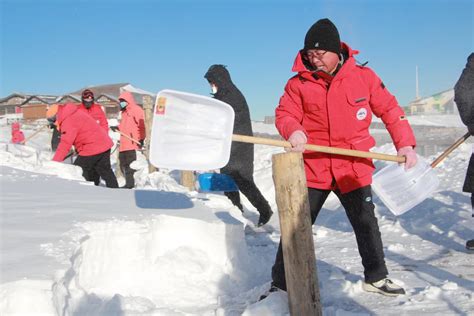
{"points": [[248, 187], [126, 158], [469, 181], [96, 167], [360, 211], [55, 139]]}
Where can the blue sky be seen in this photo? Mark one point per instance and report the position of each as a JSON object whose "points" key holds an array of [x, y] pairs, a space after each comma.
{"points": [[55, 47]]}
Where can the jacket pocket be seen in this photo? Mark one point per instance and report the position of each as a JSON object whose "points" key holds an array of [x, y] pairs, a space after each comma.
{"points": [[359, 106], [363, 166], [355, 99]]}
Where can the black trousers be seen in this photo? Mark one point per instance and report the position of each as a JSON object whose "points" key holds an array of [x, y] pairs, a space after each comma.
{"points": [[248, 187], [360, 211], [55, 139], [96, 167], [126, 158]]}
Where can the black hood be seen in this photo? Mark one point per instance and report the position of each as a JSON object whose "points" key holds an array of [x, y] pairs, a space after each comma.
{"points": [[218, 75]]}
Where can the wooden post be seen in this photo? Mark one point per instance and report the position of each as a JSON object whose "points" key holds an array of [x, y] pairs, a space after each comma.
{"points": [[187, 179], [148, 109], [118, 170], [296, 234]]}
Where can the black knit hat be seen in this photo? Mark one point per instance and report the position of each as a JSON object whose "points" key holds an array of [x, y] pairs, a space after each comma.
{"points": [[323, 35]]}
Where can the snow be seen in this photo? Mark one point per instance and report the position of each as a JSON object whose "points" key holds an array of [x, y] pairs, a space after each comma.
{"points": [[443, 120], [70, 248]]}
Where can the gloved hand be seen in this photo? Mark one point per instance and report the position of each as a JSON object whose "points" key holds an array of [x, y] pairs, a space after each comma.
{"points": [[142, 143], [51, 121], [114, 128], [471, 129], [297, 139], [410, 154]]}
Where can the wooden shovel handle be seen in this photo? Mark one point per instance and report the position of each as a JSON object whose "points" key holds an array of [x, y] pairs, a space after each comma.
{"points": [[130, 138], [34, 134], [450, 149], [322, 149]]}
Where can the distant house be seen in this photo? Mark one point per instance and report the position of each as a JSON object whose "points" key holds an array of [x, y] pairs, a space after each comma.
{"points": [[109, 103], [12, 103], [35, 106], [269, 120], [440, 103], [32, 106]]}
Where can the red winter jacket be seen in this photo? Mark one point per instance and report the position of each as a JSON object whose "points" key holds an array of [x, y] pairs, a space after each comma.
{"points": [[17, 135], [340, 116], [132, 123], [96, 112], [80, 130]]}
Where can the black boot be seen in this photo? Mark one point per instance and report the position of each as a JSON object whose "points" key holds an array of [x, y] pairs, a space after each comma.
{"points": [[470, 244], [264, 217], [272, 289]]}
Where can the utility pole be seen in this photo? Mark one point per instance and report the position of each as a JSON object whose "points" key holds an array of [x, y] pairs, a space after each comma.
{"points": [[417, 97]]}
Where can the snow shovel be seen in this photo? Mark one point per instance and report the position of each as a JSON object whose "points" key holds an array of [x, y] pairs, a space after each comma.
{"points": [[212, 182], [194, 132], [402, 190]]}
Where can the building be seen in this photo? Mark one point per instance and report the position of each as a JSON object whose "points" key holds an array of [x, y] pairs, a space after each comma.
{"points": [[34, 106], [269, 120], [440, 103]]}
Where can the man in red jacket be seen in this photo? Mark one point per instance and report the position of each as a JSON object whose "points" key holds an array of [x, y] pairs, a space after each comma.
{"points": [[92, 144], [330, 102], [95, 111], [132, 135]]}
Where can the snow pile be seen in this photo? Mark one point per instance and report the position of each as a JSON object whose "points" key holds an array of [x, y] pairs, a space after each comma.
{"points": [[158, 259]]}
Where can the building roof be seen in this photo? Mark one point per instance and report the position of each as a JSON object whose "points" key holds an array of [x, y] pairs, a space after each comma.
{"points": [[45, 98], [111, 90]]}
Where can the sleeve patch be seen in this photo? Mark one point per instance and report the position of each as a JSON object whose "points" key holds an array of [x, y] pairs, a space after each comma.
{"points": [[382, 85], [403, 118]]}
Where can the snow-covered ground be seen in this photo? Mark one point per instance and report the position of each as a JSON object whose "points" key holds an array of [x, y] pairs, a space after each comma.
{"points": [[70, 248]]}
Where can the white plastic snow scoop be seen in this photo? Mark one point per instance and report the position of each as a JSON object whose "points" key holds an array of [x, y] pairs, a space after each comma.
{"points": [[400, 190], [193, 132], [190, 132]]}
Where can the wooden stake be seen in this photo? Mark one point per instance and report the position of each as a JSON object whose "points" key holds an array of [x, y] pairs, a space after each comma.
{"points": [[148, 108], [296, 234], [187, 179]]}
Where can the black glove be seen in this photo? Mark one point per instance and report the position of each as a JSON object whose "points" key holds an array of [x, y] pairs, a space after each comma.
{"points": [[471, 129], [142, 143], [114, 128], [51, 121]]}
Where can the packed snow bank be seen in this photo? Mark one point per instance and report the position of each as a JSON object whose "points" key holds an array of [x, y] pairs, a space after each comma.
{"points": [[159, 259], [26, 297]]}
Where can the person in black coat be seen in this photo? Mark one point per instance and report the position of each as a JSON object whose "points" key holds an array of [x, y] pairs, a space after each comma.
{"points": [[240, 166], [464, 98]]}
